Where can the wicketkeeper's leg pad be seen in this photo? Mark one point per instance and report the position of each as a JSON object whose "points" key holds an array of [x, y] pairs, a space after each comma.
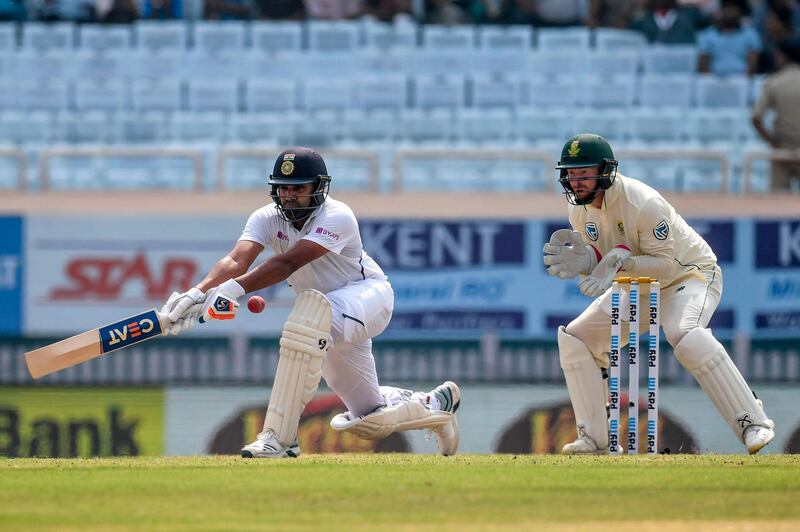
{"points": [[585, 386], [706, 359], [406, 415], [304, 342]]}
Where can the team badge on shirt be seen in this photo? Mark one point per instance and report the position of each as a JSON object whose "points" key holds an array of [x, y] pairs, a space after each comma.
{"points": [[591, 231], [661, 231], [620, 227]]}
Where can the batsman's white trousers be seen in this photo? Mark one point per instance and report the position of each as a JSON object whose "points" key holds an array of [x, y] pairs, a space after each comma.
{"points": [[360, 311], [685, 305]]}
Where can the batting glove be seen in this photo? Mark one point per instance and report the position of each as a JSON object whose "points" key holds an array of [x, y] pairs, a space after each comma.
{"points": [[220, 303], [178, 304]]}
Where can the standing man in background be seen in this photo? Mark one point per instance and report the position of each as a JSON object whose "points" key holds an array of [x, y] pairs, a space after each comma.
{"points": [[781, 94], [343, 301], [621, 224]]}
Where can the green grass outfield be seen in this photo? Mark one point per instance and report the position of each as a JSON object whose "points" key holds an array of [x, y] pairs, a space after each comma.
{"points": [[403, 492]]}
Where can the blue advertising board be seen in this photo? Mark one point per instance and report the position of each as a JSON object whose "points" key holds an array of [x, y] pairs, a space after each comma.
{"points": [[11, 271]]}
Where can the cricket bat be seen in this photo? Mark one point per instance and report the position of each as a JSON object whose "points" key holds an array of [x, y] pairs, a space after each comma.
{"points": [[92, 344]]}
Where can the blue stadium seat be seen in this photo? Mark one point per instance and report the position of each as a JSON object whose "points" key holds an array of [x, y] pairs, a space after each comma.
{"points": [[219, 36], [499, 61], [544, 126], [460, 38], [199, 64], [213, 95], [657, 125], [18, 127], [717, 126], [714, 92], [141, 128], [38, 36], [387, 91], [369, 127], [496, 91], [8, 66], [672, 59], [101, 96], [613, 63], [382, 36], [434, 62], [576, 39], [485, 126], [326, 93], [161, 35], [609, 92], [8, 95], [331, 64], [612, 39], [159, 65], [518, 38], [43, 96], [197, 127], [321, 128], [99, 38], [558, 63], [609, 123], [272, 37], [148, 95], [333, 36], [438, 91], [426, 126], [56, 65], [90, 127], [270, 95], [543, 91], [8, 36], [666, 90], [259, 128], [101, 66]]}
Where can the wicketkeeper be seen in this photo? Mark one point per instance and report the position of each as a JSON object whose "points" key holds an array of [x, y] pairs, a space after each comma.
{"points": [[343, 301], [621, 226]]}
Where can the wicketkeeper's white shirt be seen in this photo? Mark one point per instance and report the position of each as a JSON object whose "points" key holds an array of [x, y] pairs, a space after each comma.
{"points": [[332, 226]]}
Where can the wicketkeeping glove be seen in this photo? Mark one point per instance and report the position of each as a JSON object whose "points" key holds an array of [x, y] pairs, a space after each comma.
{"points": [[597, 282], [566, 256], [220, 303]]}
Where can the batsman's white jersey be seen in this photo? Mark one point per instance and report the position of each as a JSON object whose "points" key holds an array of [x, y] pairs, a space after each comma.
{"points": [[332, 226], [636, 216]]}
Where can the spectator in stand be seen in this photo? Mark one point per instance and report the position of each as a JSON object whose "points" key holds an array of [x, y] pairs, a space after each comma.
{"points": [[613, 13], [730, 46], [121, 12], [776, 27], [13, 11], [664, 22], [162, 9], [227, 9], [388, 10], [280, 9], [334, 9], [558, 13], [781, 94], [66, 10], [445, 12]]}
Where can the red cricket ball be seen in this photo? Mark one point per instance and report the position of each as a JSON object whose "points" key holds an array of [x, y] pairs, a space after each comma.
{"points": [[256, 304]]}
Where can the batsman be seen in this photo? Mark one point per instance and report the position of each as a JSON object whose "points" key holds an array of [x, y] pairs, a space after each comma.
{"points": [[621, 226], [343, 300]]}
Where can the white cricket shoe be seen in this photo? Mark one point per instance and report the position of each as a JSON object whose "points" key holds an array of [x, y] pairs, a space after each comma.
{"points": [[756, 436], [268, 446], [583, 445], [447, 436]]}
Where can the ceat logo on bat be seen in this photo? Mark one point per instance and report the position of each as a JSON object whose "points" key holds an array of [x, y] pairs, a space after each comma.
{"points": [[130, 331]]}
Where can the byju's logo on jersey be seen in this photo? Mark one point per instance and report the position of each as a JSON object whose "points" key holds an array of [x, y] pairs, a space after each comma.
{"points": [[591, 231], [661, 231]]}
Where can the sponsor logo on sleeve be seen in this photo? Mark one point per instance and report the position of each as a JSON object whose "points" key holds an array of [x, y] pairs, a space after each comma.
{"points": [[661, 231], [591, 231], [325, 232]]}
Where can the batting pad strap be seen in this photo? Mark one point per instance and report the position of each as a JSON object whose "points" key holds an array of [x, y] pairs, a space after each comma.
{"points": [[408, 415], [303, 344], [707, 360]]}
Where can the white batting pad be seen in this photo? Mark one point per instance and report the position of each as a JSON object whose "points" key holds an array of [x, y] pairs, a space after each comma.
{"points": [[407, 415], [707, 360], [304, 342], [585, 387]]}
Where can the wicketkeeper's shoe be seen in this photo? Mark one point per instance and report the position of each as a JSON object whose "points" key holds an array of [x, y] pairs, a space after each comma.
{"points": [[449, 396], [583, 445], [268, 446], [756, 437]]}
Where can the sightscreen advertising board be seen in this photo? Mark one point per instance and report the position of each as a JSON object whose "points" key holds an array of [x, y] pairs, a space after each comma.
{"points": [[456, 278]]}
